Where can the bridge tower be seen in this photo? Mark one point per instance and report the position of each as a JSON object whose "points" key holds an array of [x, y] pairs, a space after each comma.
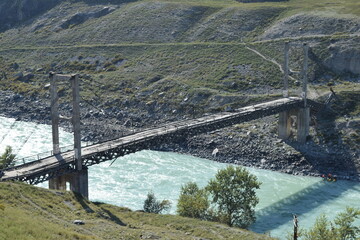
{"points": [[78, 180], [302, 114]]}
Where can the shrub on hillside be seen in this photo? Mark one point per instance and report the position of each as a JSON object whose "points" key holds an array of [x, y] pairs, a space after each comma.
{"points": [[152, 205], [193, 201]]}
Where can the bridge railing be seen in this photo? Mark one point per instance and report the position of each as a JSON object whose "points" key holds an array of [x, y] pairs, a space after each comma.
{"points": [[187, 123], [38, 156]]}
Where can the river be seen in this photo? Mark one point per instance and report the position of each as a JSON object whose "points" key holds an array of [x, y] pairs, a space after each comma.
{"points": [[128, 180]]}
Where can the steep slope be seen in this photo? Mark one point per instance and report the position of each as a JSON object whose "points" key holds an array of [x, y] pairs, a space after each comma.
{"points": [[35, 213]]}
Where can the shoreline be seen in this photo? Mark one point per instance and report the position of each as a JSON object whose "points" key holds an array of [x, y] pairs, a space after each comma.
{"points": [[256, 145]]}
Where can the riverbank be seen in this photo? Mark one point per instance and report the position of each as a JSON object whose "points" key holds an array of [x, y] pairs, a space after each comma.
{"points": [[253, 144]]}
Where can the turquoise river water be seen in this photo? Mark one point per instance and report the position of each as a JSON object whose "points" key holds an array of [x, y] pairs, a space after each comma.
{"points": [[128, 180]]}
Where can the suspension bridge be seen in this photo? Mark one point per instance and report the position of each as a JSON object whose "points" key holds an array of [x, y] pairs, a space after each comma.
{"points": [[71, 166]]}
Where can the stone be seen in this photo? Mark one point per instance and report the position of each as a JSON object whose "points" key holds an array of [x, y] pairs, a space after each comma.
{"points": [[78, 222], [18, 76], [215, 152], [27, 77]]}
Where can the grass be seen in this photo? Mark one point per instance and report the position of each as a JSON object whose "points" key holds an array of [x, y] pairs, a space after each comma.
{"points": [[179, 70], [35, 213]]}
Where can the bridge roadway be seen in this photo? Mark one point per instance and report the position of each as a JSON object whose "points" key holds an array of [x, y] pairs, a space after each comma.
{"points": [[57, 165]]}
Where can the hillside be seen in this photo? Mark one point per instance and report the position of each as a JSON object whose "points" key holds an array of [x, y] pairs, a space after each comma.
{"points": [[205, 48], [147, 62], [36, 213]]}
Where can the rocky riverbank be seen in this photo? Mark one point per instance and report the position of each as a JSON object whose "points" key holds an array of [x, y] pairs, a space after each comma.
{"points": [[253, 144]]}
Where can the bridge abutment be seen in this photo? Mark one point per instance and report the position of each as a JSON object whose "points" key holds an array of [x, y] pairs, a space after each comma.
{"points": [[78, 182]]}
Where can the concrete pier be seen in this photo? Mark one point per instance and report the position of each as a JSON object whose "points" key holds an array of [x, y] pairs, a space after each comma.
{"points": [[78, 182], [302, 116], [284, 129], [303, 122]]}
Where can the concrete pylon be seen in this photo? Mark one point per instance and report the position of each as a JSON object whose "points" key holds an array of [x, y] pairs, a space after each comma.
{"points": [[79, 179], [76, 120], [54, 113], [286, 70], [304, 74]]}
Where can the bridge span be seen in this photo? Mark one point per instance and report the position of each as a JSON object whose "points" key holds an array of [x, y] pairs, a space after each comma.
{"points": [[63, 165]]}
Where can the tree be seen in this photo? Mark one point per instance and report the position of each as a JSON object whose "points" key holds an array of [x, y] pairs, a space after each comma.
{"points": [[321, 230], [7, 158], [151, 205], [233, 193], [193, 201], [341, 229], [345, 230]]}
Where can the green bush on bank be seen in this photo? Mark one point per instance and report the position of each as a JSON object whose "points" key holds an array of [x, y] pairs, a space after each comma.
{"points": [[229, 198]]}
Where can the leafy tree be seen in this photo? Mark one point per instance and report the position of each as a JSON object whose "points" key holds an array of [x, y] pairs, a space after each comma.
{"points": [[321, 230], [345, 230], [233, 193], [7, 158], [193, 202], [151, 205], [341, 229]]}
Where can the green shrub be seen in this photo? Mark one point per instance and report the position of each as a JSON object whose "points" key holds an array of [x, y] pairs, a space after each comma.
{"points": [[193, 202], [151, 205]]}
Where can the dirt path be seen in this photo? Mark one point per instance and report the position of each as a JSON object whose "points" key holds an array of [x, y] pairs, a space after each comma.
{"points": [[270, 60]]}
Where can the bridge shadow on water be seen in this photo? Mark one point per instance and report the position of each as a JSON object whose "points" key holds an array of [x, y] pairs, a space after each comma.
{"points": [[299, 203], [324, 159]]}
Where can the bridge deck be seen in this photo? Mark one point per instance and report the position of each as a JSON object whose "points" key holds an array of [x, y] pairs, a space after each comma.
{"points": [[44, 169]]}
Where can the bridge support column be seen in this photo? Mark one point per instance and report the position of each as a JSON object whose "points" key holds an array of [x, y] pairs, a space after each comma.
{"points": [[303, 123], [284, 128], [78, 182], [58, 183]]}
